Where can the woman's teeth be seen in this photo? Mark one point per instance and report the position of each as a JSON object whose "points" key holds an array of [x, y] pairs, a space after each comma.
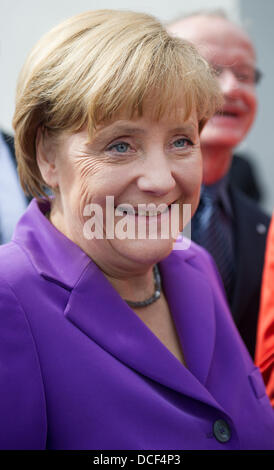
{"points": [[142, 211]]}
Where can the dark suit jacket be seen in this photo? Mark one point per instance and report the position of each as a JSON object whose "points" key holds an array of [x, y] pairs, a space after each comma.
{"points": [[250, 231], [242, 174], [10, 143]]}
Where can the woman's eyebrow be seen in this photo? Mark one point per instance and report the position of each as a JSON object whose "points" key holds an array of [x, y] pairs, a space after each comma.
{"points": [[121, 129], [116, 130], [188, 128]]}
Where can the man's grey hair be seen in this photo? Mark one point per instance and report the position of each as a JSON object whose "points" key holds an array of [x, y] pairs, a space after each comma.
{"points": [[214, 13], [218, 12]]}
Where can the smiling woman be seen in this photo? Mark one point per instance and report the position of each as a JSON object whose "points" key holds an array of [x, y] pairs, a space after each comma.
{"points": [[117, 342], [77, 134]]}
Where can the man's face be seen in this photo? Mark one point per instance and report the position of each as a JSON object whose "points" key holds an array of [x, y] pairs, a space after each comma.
{"points": [[231, 53]]}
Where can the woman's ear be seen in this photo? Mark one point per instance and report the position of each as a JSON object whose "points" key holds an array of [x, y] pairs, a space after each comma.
{"points": [[46, 157]]}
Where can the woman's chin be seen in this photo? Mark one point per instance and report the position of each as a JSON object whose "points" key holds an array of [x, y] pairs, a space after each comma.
{"points": [[148, 251]]}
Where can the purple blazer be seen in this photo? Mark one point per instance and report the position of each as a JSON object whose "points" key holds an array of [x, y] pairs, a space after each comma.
{"points": [[80, 370]]}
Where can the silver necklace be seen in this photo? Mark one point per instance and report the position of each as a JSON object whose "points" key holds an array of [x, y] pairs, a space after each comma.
{"points": [[155, 296]]}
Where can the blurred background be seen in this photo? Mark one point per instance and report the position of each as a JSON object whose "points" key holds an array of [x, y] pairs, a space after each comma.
{"points": [[22, 23]]}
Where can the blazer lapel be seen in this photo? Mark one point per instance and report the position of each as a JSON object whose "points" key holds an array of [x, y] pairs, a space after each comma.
{"points": [[190, 298], [97, 309]]}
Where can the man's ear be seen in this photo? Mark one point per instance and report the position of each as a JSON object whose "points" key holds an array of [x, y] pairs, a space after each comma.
{"points": [[46, 157]]}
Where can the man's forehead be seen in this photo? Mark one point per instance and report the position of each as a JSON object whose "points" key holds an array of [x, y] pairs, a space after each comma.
{"points": [[229, 56], [214, 35]]}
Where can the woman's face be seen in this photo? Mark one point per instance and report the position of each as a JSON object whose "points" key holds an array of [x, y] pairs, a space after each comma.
{"points": [[132, 161]]}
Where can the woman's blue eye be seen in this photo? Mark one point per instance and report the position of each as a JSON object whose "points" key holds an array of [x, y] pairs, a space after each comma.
{"points": [[121, 147], [180, 143]]}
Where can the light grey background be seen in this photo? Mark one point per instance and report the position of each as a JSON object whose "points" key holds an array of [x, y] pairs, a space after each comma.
{"points": [[22, 23], [258, 16]]}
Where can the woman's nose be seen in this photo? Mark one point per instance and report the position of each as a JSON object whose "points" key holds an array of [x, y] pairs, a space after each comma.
{"points": [[157, 176]]}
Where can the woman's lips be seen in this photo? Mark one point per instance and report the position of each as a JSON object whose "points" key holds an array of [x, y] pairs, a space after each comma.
{"points": [[142, 211]]}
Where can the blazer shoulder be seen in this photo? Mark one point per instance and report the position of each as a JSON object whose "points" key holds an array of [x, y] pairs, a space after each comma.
{"points": [[15, 265]]}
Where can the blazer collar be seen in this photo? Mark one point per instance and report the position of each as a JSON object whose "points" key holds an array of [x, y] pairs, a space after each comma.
{"points": [[190, 298], [93, 303], [54, 256]]}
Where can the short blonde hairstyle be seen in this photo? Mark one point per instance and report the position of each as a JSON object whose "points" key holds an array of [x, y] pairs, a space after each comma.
{"points": [[97, 64]]}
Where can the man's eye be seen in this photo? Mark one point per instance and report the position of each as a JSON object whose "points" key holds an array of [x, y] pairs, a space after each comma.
{"points": [[120, 147], [217, 70], [244, 77], [181, 143]]}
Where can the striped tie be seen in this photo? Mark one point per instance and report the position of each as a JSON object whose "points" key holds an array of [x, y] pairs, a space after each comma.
{"points": [[210, 230]]}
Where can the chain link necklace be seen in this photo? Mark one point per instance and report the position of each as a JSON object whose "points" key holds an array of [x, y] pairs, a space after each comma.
{"points": [[156, 295]]}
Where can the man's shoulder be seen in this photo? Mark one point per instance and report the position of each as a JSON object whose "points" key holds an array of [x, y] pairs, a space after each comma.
{"points": [[7, 137], [9, 141], [244, 205]]}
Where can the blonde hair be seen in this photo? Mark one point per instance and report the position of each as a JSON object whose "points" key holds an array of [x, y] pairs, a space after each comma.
{"points": [[97, 64]]}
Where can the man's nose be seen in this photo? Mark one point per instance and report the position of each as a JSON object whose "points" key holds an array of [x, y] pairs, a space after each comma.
{"points": [[229, 83], [157, 176]]}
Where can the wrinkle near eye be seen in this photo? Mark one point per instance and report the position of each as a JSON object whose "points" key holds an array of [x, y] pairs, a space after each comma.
{"points": [[92, 160], [88, 165]]}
